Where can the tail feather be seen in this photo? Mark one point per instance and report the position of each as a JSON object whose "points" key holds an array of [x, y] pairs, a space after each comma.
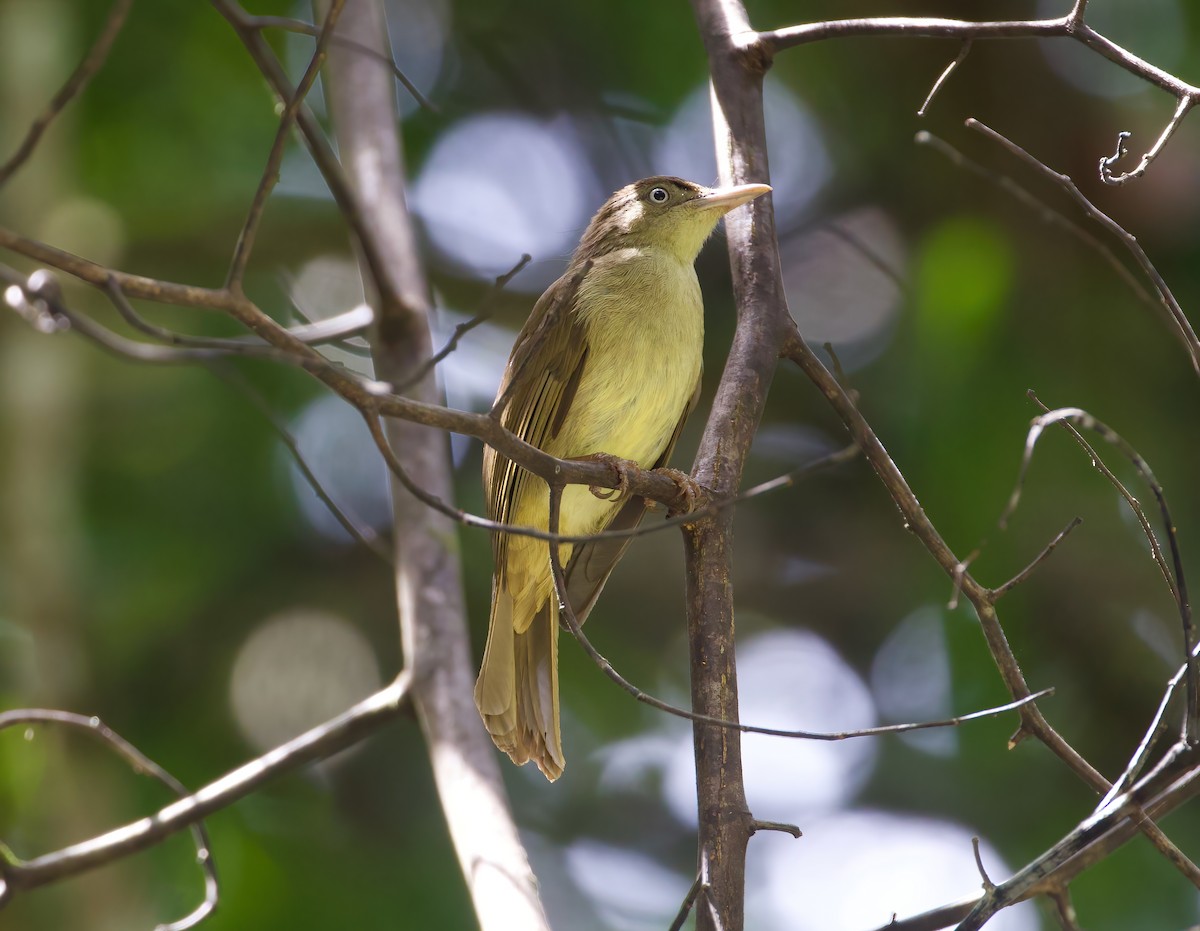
{"points": [[517, 689]]}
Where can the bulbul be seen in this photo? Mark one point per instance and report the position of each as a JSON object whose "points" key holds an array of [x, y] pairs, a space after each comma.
{"points": [[607, 363]]}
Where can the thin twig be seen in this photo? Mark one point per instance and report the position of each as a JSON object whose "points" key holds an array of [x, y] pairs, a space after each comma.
{"points": [[1064, 911], [229, 346], [960, 572], [1183, 326], [317, 743], [1157, 725], [361, 532], [308, 29], [1050, 216], [1182, 107], [315, 140], [567, 613], [988, 885], [780, 826], [1172, 575], [1037, 428], [140, 764], [686, 908], [486, 309], [944, 76], [270, 175], [92, 62], [1002, 590]]}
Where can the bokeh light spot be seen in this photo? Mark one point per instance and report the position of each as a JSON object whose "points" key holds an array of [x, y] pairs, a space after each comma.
{"points": [[1153, 29], [631, 891], [502, 184], [855, 870], [844, 281], [794, 680], [800, 164], [338, 449], [296, 670], [910, 677]]}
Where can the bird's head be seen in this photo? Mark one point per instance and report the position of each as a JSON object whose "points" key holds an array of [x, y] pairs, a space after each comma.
{"points": [[664, 213]]}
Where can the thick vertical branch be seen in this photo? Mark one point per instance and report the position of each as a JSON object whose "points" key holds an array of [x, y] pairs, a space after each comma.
{"points": [[428, 577], [725, 820]]}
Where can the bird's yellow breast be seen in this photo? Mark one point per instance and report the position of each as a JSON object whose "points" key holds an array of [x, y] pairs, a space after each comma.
{"points": [[644, 319]]}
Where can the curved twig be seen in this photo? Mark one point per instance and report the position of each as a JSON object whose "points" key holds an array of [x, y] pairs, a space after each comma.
{"points": [[92, 62], [13, 870]]}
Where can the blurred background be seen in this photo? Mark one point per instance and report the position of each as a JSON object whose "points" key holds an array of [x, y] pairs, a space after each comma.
{"points": [[163, 564]]}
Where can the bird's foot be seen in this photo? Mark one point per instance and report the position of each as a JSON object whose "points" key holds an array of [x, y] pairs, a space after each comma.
{"points": [[694, 494], [618, 465]]}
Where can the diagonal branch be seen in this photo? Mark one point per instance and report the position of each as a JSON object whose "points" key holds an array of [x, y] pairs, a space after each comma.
{"points": [[429, 591], [315, 744], [270, 176], [92, 62], [141, 764]]}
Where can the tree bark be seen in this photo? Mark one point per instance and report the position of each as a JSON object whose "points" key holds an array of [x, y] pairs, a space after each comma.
{"points": [[428, 576], [725, 820]]}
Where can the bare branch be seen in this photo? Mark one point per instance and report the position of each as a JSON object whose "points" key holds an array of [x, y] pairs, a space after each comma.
{"points": [[11, 867], [568, 616], [486, 309], [686, 908], [1179, 774], [945, 75], [368, 396], [317, 743], [1070, 26], [1002, 590], [363, 533], [314, 138], [1156, 727], [308, 29], [1181, 110], [1054, 217], [92, 62], [1183, 326], [1032, 720], [270, 176]]}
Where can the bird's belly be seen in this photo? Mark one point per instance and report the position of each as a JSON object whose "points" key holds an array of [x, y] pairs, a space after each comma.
{"points": [[631, 411], [641, 368]]}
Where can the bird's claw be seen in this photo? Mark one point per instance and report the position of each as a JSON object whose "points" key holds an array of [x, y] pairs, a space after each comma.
{"points": [[621, 467], [692, 492]]}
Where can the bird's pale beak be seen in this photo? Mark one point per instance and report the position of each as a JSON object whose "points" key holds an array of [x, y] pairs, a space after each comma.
{"points": [[726, 198]]}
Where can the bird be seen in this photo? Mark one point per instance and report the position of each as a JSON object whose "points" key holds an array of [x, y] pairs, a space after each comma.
{"points": [[607, 365]]}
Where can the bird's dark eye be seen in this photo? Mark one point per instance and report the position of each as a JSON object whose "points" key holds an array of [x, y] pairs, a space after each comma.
{"points": [[659, 195]]}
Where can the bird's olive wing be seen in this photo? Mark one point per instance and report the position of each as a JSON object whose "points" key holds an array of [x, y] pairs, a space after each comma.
{"points": [[541, 380]]}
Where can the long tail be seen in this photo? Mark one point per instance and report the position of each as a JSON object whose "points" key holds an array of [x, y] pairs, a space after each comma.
{"points": [[517, 688]]}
